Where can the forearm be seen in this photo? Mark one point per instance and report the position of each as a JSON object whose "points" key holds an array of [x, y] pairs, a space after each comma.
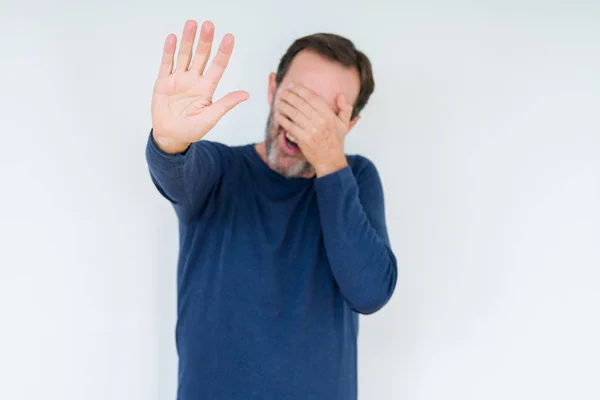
{"points": [[360, 257], [185, 177], [167, 170]]}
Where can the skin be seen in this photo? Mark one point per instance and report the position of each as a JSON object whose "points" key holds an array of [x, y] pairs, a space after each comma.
{"points": [[313, 104]]}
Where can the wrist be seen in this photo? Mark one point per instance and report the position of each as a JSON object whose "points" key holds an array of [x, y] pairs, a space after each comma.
{"points": [[331, 168], [169, 145]]}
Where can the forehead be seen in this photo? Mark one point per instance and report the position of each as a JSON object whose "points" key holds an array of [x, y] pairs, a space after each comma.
{"points": [[326, 77]]}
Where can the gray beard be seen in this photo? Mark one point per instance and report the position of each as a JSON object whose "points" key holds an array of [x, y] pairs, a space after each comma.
{"points": [[298, 169]]}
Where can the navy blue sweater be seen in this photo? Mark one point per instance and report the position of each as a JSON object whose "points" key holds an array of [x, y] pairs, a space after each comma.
{"points": [[272, 272]]}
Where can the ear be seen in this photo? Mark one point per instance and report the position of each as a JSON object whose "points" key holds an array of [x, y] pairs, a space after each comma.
{"points": [[272, 87]]}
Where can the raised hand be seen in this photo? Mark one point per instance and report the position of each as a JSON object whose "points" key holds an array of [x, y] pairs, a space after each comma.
{"points": [[183, 111]]}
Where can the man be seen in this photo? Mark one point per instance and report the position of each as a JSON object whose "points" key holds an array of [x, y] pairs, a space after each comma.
{"points": [[282, 243]]}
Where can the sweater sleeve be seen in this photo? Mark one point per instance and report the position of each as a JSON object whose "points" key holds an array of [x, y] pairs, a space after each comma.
{"points": [[352, 215], [186, 179]]}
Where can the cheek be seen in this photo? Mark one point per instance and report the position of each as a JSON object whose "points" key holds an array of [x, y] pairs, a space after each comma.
{"points": [[276, 128], [275, 134]]}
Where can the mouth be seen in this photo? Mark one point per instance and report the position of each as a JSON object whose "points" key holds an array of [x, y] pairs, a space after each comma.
{"points": [[289, 143]]}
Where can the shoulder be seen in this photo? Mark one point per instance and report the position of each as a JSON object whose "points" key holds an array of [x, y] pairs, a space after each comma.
{"points": [[229, 150], [216, 148], [226, 155]]}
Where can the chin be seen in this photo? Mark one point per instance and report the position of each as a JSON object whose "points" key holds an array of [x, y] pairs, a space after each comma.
{"points": [[284, 164], [289, 167]]}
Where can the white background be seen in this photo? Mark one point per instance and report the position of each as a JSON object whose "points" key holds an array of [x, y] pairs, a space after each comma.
{"points": [[484, 126]]}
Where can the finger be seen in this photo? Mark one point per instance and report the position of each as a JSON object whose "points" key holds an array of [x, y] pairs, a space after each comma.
{"points": [[293, 129], [294, 114], [221, 60], [207, 34], [299, 103], [345, 112], [187, 43], [218, 109], [311, 97], [166, 64]]}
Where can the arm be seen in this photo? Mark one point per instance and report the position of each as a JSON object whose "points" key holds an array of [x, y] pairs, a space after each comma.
{"points": [[356, 241], [186, 178]]}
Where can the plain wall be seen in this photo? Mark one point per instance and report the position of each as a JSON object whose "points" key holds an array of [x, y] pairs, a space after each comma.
{"points": [[484, 126]]}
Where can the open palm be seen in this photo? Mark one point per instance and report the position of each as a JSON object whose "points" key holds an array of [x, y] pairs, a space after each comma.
{"points": [[182, 102]]}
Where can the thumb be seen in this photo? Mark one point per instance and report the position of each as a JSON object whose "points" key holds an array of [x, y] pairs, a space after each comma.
{"points": [[217, 110], [345, 109]]}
